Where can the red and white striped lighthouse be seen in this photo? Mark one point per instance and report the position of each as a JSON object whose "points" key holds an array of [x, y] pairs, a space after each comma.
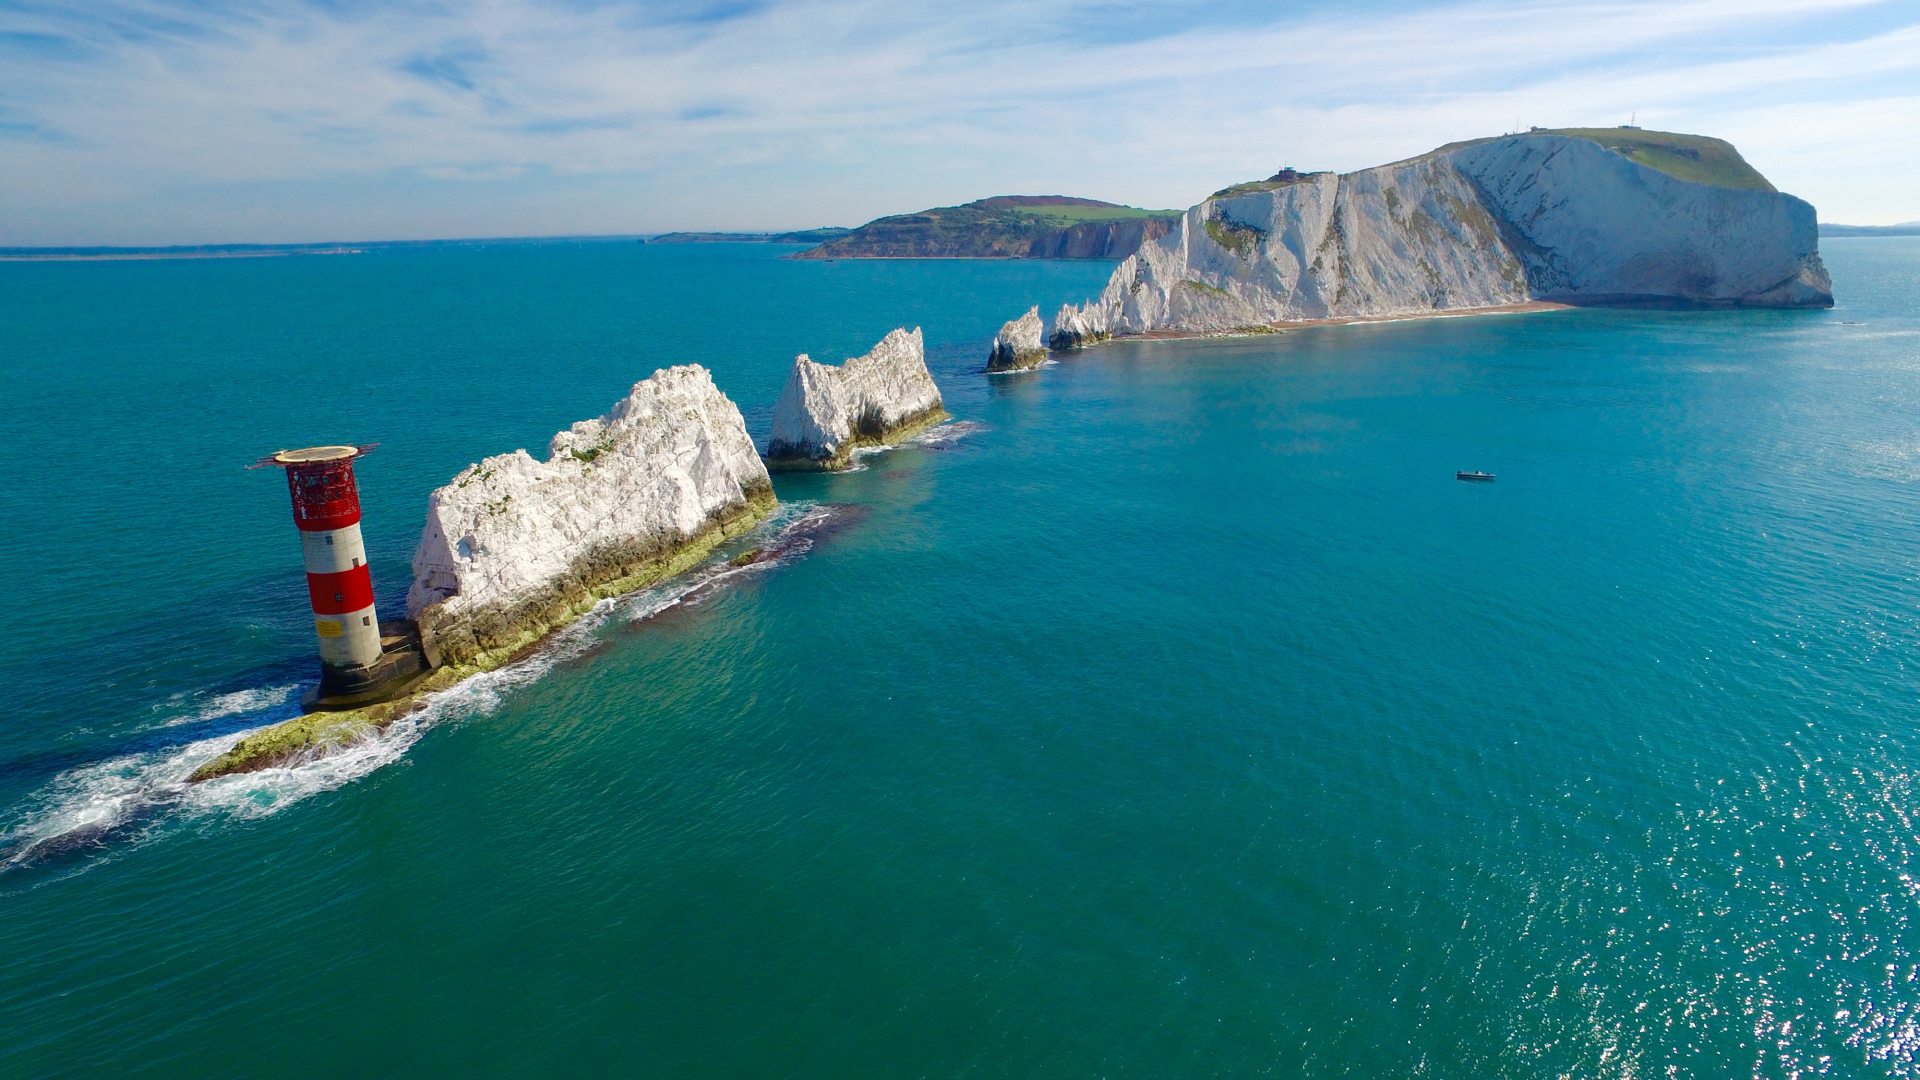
{"points": [[326, 510]]}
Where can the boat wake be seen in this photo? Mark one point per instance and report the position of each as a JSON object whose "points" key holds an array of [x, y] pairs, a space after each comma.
{"points": [[92, 809]]}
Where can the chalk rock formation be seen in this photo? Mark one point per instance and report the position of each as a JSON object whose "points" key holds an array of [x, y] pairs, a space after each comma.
{"points": [[1018, 345], [515, 547], [1090, 323], [1538, 216], [825, 411]]}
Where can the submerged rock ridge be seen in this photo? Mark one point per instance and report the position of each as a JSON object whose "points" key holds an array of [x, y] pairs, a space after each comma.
{"points": [[1541, 216], [1018, 346], [515, 548], [825, 412]]}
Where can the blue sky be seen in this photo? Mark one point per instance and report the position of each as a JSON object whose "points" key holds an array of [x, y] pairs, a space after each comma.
{"points": [[151, 121]]}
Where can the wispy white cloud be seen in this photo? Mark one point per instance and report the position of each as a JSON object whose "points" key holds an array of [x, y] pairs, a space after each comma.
{"points": [[148, 121]]}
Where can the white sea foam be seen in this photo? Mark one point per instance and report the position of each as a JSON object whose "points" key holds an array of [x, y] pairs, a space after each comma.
{"points": [[203, 707], [789, 533], [93, 804], [937, 437], [1048, 362], [857, 459], [122, 798], [949, 433]]}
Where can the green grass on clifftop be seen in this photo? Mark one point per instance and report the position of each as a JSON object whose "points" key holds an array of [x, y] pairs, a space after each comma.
{"points": [[1074, 215], [1698, 158]]}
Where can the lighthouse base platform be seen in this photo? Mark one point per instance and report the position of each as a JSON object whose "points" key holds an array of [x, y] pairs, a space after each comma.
{"points": [[402, 665]]}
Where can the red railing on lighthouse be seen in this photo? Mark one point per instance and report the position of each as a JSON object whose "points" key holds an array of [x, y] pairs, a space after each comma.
{"points": [[324, 495], [320, 479]]}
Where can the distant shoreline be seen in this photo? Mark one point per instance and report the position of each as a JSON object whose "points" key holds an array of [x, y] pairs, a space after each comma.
{"points": [[31, 255], [147, 256], [1835, 231], [79, 253]]}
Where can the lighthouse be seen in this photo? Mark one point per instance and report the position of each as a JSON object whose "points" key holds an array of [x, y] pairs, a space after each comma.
{"points": [[326, 510]]}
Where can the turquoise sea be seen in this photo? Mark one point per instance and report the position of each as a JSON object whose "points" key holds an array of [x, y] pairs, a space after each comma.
{"points": [[1174, 714]]}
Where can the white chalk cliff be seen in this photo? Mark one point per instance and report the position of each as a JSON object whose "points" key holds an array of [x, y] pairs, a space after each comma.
{"points": [[825, 411], [1018, 345], [515, 547], [1538, 216]]}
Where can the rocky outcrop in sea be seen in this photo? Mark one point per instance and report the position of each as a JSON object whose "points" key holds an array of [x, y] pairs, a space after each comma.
{"points": [[825, 412], [514, 547], [1533, 217], [1018, 346]]}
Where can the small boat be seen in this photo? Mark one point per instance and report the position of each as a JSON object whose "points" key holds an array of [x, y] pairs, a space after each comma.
{"points": [[1474, 476]]}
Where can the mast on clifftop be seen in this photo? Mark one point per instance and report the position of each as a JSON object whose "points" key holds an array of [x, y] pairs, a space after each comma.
{"points": [[326, 510]]}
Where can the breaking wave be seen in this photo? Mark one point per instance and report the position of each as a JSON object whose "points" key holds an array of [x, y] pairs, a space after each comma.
{"points": [[125, 799]]}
